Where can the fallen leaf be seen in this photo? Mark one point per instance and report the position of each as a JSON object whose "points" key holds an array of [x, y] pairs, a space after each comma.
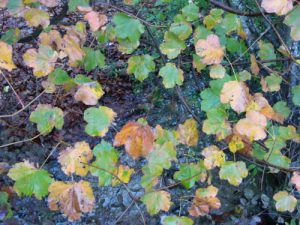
{"points": [[280, 7], [213, 157], [156, 201], [71, 198], [74, 159], [6, 61], [171, 75], [123, 173], [296, 180], [284, 201], [42, 61], [254, 66], [37, 17], [233, 172], [217, 71], [271, 83], [137, 138], [49, 3], [188, 132], [237, 94], [210, 50], [176, 220], [89, 93], [52, 39], [204, 201], [95, 20], [236, 143], [253, 126]]}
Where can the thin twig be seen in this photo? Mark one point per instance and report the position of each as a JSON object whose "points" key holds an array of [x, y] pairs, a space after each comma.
{"points": [[18, 142], [52, 151], [123, 213]]}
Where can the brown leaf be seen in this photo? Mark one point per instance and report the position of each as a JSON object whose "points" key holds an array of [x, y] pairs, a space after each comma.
{"points": [[71, 198], [237, 94], [204, 201], [188, 133], [137, 138], [210, 50], [74, 159], [95, 20], [280, 7], [253, 126]]}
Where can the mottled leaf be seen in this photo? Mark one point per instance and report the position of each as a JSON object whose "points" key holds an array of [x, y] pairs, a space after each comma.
{"points": [[157, 201], [233, 172], [171, 75], [284, 201]]}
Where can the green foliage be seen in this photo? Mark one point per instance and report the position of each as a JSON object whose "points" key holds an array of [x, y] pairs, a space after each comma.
{"points": [[266, 51], [296, 95], [92, 59], [293, 20], [73, 4], [171, 75], [176, 220], [233, 172], [191, 12], [47, 117], [172, 45], [59, 77], [141, 66], [30, 180]]}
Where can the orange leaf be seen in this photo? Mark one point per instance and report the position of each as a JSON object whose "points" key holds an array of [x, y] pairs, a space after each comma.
{"points": [[237, 94], [280, 7], [205, 200], [73, 159], [71, 198], [210, 50], [137, 138], [95, 20], [253, 126]]}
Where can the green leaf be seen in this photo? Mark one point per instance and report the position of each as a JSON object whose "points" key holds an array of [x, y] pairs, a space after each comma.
{"points": [[266, 51], [231, 23], [98, 119], [214, 18], [162, 157], [217, 71], [47, 117], [14, 6], [176, 220], [296, 95], [171, 75], [273, 82], [191, 12], [276, 158], [59, 77], [92, 59], [156, 201], [37, 17], [29, 180], [233, 172], [285, 202], [106, 158], [258, 151], [149, 178], [172, 45], [282, 108], [181, 29], [293, 20], [73, 4], [190, 173], [236, 46], [197, 63], [141, 66], [244, 75], [201, 33], [11, 36]]}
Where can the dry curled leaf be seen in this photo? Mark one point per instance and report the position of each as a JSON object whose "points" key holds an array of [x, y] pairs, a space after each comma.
{"points": [[204, 201], [188, 132], [253, 126], [210, 50], [71, 198], [237, 94], [137, 138], [74, 159], [6, 61], [280, 7], [95, 20]]}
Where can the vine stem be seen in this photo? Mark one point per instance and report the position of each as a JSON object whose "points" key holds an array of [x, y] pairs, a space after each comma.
{"points": [[22, 141], [23, 108]]}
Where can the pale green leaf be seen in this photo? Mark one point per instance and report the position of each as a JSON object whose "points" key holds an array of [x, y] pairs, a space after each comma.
{"points": [[171, 75], [233, 172], [141, 66]]}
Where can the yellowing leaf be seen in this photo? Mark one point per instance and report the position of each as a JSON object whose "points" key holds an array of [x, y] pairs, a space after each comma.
{"points": [[280, 7], [89, 93], [37, 17], [214, 157], [123, 173], [296, 180], [176, 220], [236, 144], [188, 132], [42, 62], [253, 126], [52, 39], [210, 50], [156, 201], [284, 201], [74, 159], [271, 83], [30, 180], [95, 20], [71, 198], [6, 61], [233, 172], [204, 201], [137, 138], [237, 94], [217, 71]]}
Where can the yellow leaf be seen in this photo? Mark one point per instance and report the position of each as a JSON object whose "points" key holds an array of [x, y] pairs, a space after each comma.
{"points": [[188, 132], [210, 50], [284, 201], [236, 144], [123, 173], [71, 198], [74, 159], [214, 157], [37, 17], [6, 61]]}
